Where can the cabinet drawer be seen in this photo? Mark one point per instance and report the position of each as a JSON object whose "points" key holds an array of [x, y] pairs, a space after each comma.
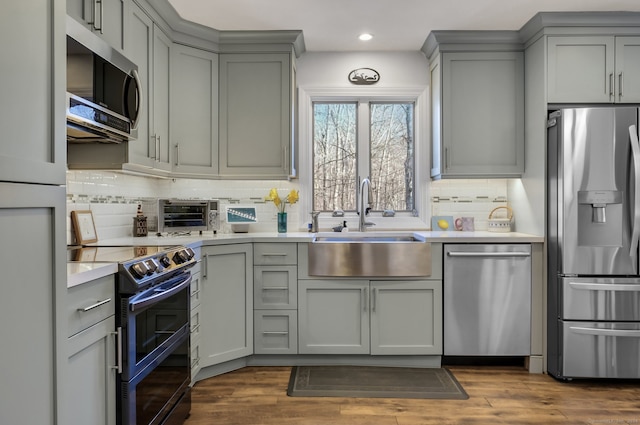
{"points": [[275, 287], [275, 254], [89, 303], [196, 287], [275, 332]]}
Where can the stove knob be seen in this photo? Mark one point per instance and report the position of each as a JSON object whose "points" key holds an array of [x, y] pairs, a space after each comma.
{"points": [[152, 265], [139, 270], [190, 252], [165, 261], [179, 257]]}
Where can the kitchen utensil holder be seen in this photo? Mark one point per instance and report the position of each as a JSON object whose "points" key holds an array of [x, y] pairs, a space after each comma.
{"points": [[500, 225]]}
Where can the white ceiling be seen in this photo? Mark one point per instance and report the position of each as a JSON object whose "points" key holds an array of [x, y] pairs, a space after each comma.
{"points": [[333, 25]]}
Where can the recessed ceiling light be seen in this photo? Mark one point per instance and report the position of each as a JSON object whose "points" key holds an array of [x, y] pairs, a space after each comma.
{"points": [[365, 37]]}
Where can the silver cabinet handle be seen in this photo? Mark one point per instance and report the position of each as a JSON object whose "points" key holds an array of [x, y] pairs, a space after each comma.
{"points": [[195, 293], [374, 301], [274, 254], [488, 254], [204, 267], [96, 305], [158, 148], [365, 299], [611, 89], [118, 335], [446, 158], [275, 333], [195, 329], [275, 288], [606, 332], [620, 88], [177, 154]]}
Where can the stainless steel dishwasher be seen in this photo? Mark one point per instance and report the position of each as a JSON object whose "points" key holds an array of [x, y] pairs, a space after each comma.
{"points": [[487, 300]]}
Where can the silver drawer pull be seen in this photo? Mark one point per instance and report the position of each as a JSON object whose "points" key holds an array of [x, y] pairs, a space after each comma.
{"points": [[96, 305], [274, 254], [195, 293], [196, 328], [274, 333], [275, 288]]}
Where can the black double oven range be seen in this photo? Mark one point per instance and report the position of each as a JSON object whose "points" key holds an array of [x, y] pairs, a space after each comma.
{"points": [[152, 327]]}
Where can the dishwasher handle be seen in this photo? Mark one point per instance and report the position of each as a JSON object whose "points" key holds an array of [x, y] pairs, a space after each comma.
{"points": [[487, 254]]}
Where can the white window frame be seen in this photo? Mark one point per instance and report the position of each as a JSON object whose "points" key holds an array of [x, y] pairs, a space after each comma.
{"points": [[402, 220]]}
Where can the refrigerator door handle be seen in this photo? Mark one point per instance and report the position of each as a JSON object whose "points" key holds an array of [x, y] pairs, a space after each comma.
{"points": [[635, 149], [605, 332], [590, 286]]}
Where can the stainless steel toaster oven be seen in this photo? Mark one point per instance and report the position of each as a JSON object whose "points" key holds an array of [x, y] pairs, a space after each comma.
{"points": [[188, 215]]}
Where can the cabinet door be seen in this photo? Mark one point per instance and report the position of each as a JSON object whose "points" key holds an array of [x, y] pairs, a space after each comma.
{"points": [[628, 69], [138, 46], [333, 317], [406, 317], [227, 301], [483, 114], [194, 115], [580, 69], [255, 115], [91, 386], [33, 147], [32, 305], [161, 152], [436, 116], [103, 17]]}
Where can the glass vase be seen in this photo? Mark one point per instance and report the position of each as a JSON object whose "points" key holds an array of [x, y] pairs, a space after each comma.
{"points": [[282, 222]]}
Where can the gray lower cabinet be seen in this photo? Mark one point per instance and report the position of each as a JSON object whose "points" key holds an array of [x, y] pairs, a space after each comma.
{"points": [[104, 17], [477, 107], [196, 314], [32, 306], [194, 111], [256, 101], [593, 69], [370, 317], [226, 316], [275, 298], [91, 347]]}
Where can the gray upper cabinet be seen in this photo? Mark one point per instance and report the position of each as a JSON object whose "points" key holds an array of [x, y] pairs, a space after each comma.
{"points": [[33, 148], [194, 111], [477, 108], [105, 18], [593, 69], [256, 101]]}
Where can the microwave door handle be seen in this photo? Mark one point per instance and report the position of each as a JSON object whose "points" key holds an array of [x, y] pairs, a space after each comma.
{"points": [[635, 211], [159, 296], [139, 94]]}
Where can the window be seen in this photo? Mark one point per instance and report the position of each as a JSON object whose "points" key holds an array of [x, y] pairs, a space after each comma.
{"points": [[356, 139]]}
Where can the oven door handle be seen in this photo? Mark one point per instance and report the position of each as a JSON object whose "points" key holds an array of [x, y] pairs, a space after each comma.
{"points": [[154, 295]]}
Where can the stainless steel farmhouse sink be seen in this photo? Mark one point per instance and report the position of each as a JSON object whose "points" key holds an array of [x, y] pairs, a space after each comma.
{"points": [[369, 254]]}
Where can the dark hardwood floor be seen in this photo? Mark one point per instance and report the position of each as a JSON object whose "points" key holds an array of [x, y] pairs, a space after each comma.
{"points": [[497, 395]]}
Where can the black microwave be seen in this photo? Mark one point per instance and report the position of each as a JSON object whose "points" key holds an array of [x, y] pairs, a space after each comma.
{"points": [[103, 89]]}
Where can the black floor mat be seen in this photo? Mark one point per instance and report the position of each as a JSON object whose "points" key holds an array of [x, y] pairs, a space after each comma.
{"points": [[380, 382]]}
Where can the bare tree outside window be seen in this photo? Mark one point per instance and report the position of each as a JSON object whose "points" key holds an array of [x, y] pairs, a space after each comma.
{"points": [[389, 157], [334, 156], [392, 156]]}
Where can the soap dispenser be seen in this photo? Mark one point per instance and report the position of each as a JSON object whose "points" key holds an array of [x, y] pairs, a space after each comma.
{"points": [[344, 227]]}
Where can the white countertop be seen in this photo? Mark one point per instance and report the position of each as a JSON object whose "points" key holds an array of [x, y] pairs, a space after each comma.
{"points": [[79, 273]]}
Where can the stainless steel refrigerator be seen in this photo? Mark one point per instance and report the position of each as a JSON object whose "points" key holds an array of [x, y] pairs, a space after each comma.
{"points": [[593, 224]]}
